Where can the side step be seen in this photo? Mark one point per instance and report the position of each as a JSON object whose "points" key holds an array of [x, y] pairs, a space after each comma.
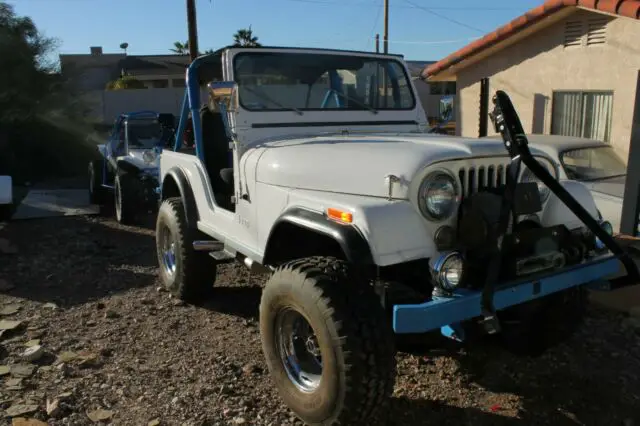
{"points": [[208, 245], [223, 256]]}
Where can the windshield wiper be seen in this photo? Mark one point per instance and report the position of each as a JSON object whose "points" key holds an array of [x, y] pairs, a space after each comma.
{"points": [[270, 99], [355, 101]]}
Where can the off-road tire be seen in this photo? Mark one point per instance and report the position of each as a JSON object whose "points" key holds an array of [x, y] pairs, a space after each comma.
{"points": [[124, 201], [195, 272], [353, 334], [96, 191], [531, 329]]}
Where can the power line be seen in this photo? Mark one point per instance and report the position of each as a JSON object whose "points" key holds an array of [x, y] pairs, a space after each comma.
{"points": [[409, 6], [446, 18], [375, 22]]}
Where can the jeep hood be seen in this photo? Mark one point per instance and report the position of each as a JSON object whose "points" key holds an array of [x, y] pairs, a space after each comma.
{"points": [[613, 187], [358, 164]]}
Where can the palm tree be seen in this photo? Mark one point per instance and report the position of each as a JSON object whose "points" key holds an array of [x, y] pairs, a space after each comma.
{"points": [[245, 38], [180, 48]]}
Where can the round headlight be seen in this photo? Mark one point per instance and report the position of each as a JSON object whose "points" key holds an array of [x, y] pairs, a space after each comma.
{"points": [[149, 156], [438, 196], [448, 270], [528, 176]]}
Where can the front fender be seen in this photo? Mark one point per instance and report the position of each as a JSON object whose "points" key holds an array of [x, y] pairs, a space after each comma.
{"points": [[176, 184], [557, 213], [394, 231]]}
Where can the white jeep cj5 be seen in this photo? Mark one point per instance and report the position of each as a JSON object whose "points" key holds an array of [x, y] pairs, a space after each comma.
{"points": [[314, 166]]}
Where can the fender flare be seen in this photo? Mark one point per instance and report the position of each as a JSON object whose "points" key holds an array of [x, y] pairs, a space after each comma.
{"points": [[186, 194], [126, 167], [351, 241]]}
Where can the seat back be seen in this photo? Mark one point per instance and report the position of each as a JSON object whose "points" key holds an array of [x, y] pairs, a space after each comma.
{"points": [[215, 146]]}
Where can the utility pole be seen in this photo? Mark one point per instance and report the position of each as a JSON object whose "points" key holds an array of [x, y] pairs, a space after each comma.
{"points": [[377, 43], [192, 26], [386, 26]]}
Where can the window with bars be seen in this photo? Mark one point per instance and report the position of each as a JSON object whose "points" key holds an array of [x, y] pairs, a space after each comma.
{"points": [[582, 114]]}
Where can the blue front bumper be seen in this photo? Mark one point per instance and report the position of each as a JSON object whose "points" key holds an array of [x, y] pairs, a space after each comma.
{"points": [[466, 304]]}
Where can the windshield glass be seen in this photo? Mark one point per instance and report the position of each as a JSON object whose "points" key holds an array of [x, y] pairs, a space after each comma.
{"points": [[592, 163], [279, 81], [144, 134]]}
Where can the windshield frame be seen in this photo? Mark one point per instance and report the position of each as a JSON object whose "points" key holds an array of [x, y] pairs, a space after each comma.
{"points": [[609, 148], [400, 64], [145, 121]]}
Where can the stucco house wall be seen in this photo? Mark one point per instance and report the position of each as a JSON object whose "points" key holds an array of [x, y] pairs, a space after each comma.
{"points": [[532, 68]]}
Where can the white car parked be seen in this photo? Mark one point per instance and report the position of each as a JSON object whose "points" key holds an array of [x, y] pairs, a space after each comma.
{"points": [[592, 162]]}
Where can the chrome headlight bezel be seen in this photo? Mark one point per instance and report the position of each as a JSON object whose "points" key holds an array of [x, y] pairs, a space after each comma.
{"points": [[441, 267], [527, 176], [149, 156], [454, 192]]}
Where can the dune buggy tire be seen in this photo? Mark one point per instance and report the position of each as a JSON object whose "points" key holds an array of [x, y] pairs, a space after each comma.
{"points": [[348, 330], [187, 274], [531, 329], [124, 200], [96, 191]]}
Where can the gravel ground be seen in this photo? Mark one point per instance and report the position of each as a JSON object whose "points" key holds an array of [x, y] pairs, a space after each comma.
{"points": [[114, 347]]}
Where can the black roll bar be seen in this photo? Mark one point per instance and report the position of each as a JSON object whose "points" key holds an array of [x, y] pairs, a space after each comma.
{"points": [[507, 123]]}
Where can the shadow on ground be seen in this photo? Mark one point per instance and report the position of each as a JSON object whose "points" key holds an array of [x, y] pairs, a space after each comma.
{"points": [[584, 381], [73, 260]]}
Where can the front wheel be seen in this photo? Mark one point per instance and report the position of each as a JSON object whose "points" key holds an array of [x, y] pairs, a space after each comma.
{"points": [[186, 273], [327, 342]]}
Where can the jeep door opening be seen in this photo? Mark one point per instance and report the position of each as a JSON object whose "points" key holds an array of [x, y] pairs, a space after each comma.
{"points": [[312, 166]]}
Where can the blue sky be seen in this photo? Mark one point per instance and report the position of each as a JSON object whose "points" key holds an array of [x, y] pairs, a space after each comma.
{"points": [[419, 29]]}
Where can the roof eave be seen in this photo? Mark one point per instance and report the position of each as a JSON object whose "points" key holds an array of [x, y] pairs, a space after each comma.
{"points": [[449, 66]]}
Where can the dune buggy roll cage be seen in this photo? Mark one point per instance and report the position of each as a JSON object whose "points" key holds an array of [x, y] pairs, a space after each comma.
{"points": [[507, 123]]}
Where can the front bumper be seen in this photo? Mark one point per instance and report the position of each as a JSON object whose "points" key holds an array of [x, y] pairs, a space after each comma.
{"points": [[464, 305]]}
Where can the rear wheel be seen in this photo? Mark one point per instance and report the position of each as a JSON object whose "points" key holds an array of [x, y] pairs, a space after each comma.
{"points": [[327, 342], [96, 191], [186, 273]]}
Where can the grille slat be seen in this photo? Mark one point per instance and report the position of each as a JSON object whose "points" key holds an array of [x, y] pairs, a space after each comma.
{"points": [[473, 179]]}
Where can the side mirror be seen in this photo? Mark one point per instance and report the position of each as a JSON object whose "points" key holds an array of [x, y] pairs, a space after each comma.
{"points": [[223, 95]]}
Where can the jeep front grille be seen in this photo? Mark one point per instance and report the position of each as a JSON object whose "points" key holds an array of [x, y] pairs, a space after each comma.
{"points": [[476, 178]]}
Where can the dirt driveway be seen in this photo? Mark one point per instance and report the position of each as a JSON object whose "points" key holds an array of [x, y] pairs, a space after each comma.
{"points": [[117, 348]]}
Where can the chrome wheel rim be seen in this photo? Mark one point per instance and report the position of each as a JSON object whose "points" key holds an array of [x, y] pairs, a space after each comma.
{"points": [[168, 248], [298, 349]]}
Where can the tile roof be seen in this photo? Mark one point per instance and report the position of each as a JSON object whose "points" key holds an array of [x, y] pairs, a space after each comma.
{"points": [[627, 8]]}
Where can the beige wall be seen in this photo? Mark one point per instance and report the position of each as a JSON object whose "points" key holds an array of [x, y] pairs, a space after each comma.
{"points": [[531, 69]]}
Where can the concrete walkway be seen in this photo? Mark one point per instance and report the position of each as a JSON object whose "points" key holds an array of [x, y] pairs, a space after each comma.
{"points": [[41, 203]]}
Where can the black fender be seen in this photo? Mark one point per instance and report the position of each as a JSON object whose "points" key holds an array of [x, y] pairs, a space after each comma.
{"points": [[124, 166], [176, 184], [349, 238]]}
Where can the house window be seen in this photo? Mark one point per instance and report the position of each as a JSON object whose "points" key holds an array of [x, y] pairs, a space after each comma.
{"points": [[159, 84], [582, 114], [442, 88], [177, 82]]}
